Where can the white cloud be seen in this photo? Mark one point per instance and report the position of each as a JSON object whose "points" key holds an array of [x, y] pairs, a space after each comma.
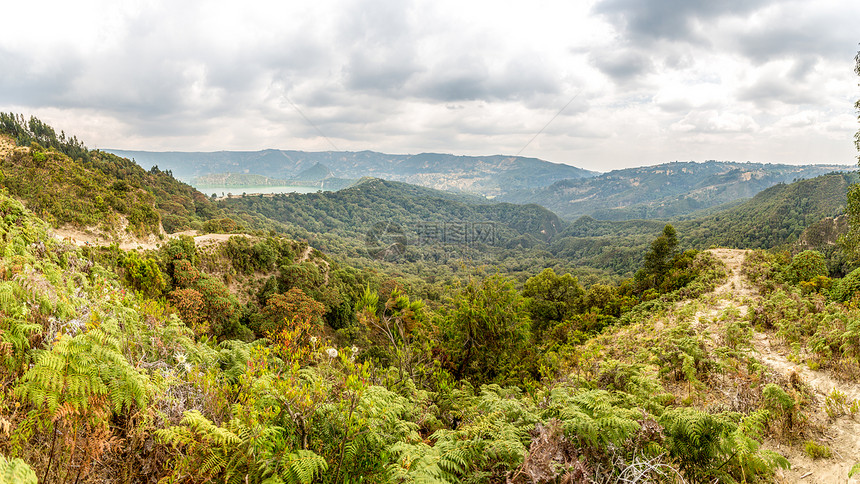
{"points": [[767, 80]]}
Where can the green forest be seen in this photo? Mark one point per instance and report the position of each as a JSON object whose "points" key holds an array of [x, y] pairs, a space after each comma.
{"points": [[331, 338]]}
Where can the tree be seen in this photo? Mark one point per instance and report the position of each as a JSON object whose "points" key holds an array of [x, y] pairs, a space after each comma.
{"points": [[394, 322], [487, 329], [850, 242], [144, 275], [189, 305], [806, 266], [658, 260], [283, 309], [552, 298]]}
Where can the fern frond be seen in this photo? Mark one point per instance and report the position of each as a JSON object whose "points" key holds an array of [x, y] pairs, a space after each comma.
{"points": [[16, 471], [302, 467]]}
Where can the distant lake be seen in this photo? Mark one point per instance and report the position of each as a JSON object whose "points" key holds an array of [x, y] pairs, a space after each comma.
{"points": [[206, 190]]}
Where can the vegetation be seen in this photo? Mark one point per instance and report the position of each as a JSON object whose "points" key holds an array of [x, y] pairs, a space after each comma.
{"points": [[259, 359], [402, 392], [66, 184]]}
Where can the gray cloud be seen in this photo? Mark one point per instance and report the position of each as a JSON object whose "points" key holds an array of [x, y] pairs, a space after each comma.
{"points": [[622, 65], [469, 77], [36, 82], [785, 37], [379, 36], [768, 90], [670, 19]]}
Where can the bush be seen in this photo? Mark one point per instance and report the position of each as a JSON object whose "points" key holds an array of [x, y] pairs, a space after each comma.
{"points": [[816, 451], [806, 266], [845, 289]]}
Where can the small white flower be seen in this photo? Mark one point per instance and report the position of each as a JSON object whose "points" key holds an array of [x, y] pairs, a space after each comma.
{"points": [[187, 367], [180, 358], [354, 349], [332, 352], [313, 340]]}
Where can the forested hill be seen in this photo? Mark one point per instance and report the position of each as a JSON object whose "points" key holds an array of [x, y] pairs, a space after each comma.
{"points": [[67, 184], [484, 175], [663, 191], [353, 211], [774, 218]]}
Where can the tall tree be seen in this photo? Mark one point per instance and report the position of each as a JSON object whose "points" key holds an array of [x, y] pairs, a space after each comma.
{"points": [[851, 241], [658, 259]]}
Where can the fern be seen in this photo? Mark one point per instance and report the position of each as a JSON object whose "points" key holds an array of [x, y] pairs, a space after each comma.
{"points": [[302, 467], [490, 442], [15, 333], [237, 453], [79, 370], [202, 448], [16, 471], [593, 418], [719, 446]]}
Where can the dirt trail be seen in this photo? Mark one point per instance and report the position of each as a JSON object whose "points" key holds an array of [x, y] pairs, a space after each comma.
{"points": [[841, 435], [307, 255], [92, 237]]}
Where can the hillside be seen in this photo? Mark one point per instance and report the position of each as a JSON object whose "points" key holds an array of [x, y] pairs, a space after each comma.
{"points": [[404, 210], [340, 222], [663, 191], [68, 184], [775, 217], [158, 388], [481, 175]]}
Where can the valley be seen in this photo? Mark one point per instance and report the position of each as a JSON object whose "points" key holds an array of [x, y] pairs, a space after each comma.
{"points": [[391, 332]]}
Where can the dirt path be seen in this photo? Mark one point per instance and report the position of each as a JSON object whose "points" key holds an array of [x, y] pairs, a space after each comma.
{"points": [[841, 435], [307, 255]]}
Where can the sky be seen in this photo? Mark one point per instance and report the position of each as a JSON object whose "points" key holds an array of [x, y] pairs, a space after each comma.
{"points": [[598, 84]]}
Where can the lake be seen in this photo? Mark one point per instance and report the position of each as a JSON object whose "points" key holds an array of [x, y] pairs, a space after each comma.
{"points": [[207, 190]]}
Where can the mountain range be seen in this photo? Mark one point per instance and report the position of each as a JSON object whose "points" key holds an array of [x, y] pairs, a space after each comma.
{"points": [[663, 191], [488, 176]]}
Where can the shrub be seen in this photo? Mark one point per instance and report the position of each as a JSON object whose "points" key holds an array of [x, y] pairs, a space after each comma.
{"points": [[816, 451], [845, 289], [16, 471], [806, 266]]}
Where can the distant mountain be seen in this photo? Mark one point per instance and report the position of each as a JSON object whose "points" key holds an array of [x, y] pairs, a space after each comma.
{"points": [[774, 217], [316, 172], [663, 191], [488, 176]]}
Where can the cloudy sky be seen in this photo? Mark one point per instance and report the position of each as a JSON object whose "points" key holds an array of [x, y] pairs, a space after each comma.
{"points": [[612, 83]]}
